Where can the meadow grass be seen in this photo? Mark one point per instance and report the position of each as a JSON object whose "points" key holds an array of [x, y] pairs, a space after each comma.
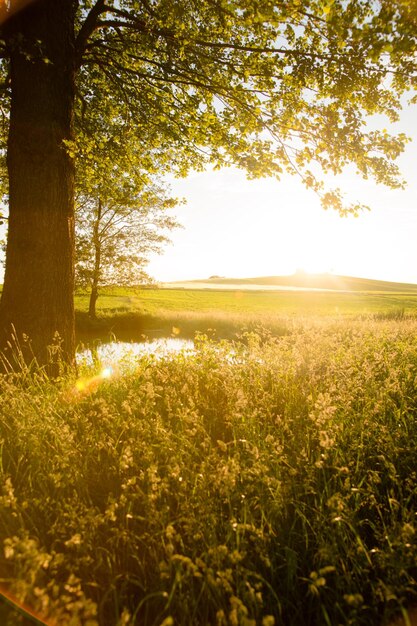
{"points": [[130, 312], [271, 481]]}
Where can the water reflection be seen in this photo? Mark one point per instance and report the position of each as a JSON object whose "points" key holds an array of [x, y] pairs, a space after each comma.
{"points": [[126, 353]]}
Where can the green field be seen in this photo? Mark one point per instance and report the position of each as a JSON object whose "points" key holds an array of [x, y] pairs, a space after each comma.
{"points": [[130, 312]]}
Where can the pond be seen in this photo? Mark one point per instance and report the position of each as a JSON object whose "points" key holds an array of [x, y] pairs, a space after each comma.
{"points": [[124, 353]]}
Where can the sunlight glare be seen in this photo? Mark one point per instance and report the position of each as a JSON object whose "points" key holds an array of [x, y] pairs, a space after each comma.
{"points": [[107, 372], [90, 384]]}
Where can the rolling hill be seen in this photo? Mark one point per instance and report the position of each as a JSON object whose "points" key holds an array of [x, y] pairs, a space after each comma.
{"points": [[302, 280]]}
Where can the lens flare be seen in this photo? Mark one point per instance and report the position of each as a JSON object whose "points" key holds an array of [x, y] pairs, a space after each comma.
{"points": [[87, 385], [107, 372]]}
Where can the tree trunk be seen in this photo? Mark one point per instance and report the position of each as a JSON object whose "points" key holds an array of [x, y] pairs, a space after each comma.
{"points": [[97, 261], [92, 305], [37, 308]]}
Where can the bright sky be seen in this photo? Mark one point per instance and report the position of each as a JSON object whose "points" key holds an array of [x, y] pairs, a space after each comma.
{"points": [[239, 228]]}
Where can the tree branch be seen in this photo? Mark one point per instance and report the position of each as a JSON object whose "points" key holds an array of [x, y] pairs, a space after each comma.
{"points": [[87, 29]]}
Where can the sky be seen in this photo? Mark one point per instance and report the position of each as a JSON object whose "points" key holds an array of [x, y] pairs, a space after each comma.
{"points": [[238, 228]]}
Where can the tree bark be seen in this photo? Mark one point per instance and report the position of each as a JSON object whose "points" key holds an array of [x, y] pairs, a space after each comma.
{"points": [[92, 304], [36, 308], [97, 262]]}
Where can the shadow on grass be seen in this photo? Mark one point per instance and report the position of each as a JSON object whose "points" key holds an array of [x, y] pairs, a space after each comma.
{"points": [[128, 326]]}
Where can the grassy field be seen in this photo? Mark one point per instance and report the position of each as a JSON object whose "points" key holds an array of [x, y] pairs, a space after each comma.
{"points": [[268, 482], [130, 312], [258, 484]]}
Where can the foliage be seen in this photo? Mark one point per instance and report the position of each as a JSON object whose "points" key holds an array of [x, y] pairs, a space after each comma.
{"points": [[117, 226], [262, 484], [122, 204], [268, 87]]}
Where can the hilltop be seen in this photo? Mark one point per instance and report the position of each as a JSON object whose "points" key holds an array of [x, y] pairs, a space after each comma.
{"points": [[309, 281]]}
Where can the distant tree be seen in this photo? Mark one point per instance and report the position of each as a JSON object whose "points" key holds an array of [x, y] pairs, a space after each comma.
{"points": [[115, 233], [122, 203], [267, 86]]}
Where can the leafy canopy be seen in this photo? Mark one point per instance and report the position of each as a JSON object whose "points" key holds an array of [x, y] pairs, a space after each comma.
{"points": [[264, 85], [267, 86]]}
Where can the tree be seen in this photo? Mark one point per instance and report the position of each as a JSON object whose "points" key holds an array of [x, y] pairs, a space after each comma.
{"points": [[116, 232], [122, 209], [37, 298], [267, 86]]}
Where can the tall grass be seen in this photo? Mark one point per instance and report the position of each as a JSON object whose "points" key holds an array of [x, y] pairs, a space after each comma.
{"points": [[271, 482]]}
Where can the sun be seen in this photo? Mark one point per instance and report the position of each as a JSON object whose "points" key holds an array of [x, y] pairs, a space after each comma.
{"points": [[313, 267]]}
